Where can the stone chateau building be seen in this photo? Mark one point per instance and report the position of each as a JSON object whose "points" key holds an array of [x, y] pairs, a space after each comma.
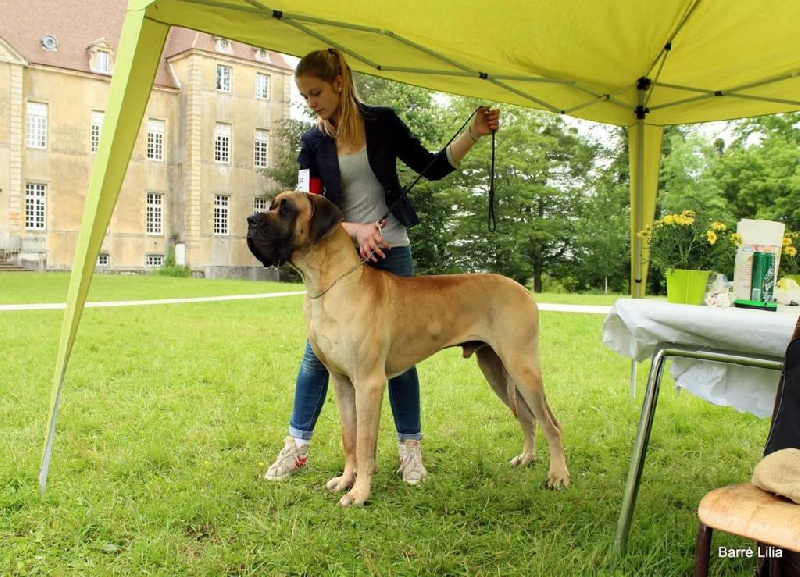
{"points": [[195, 173]]}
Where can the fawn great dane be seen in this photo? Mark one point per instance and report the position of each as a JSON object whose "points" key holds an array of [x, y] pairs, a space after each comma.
{"points": [[367, 325]]}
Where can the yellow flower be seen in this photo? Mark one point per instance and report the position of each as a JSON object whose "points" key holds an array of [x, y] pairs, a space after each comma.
{"points": [[736, 238], [719, 226], [787, 241], [685, 240], [790, 251]]}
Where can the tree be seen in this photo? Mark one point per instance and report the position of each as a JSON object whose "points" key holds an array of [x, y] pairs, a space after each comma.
{"points": [[686, 178], [759, 172], [540, 179], [602, 236], [283, 173]]}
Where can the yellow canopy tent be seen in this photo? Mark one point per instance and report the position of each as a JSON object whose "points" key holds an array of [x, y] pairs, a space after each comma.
{"points": [[636, 64]]}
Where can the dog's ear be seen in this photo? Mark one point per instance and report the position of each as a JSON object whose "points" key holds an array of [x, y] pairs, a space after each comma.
{"points": [[325, 217]]}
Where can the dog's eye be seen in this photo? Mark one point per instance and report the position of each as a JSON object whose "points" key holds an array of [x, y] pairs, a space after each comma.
{"points": [[285, 208]]}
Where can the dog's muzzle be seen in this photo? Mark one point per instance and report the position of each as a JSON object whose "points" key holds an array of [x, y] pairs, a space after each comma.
{"points": [[252, 235], [265, 241]]}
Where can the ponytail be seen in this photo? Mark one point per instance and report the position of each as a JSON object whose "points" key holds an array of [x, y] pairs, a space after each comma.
{"points": [[327, 65]]}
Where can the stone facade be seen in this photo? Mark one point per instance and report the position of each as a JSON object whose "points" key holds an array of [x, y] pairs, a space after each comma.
{"points": [[193, 176]]}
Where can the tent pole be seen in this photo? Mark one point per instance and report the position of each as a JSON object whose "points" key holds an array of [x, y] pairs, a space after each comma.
{"points": [[141, 44], [637, 290]]}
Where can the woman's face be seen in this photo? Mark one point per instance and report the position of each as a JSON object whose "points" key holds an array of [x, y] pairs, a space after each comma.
{"points": [[322, 97]]}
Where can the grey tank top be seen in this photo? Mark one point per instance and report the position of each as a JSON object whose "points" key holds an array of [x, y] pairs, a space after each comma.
{"points": [[363, 199]]}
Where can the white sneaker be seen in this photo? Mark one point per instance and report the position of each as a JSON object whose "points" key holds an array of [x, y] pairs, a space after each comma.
{"points": [[291, 459], [411, 466]]}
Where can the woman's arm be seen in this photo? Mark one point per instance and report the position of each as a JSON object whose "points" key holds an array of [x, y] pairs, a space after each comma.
{"points": [[484, 123], [411, 151]]}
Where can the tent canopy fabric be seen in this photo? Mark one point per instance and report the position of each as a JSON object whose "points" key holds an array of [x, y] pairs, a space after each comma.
{"points": [[705, 60], [635, 64]]}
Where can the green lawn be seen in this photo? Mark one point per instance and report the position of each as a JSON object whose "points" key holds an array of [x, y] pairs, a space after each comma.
{"points": [[170, 413]]}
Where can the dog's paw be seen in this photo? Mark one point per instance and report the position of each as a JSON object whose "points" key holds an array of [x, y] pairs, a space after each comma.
{"points": [[339, 484], [353, 499], [523, 459], [557, 479]]}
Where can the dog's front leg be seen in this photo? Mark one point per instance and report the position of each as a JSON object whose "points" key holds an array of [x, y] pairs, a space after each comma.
{"points": [[369, 395], [346, 402]]}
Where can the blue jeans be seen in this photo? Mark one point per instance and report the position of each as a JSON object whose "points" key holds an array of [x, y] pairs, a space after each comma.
{"points": [[311, 386]]}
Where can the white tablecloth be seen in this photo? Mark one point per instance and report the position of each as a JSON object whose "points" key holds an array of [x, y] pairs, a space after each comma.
{"points": [[634, 327]]}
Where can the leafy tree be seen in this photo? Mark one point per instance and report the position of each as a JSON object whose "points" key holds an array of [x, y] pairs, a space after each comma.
{"points": [[540, 178], [759, 172], [283, 173], [686, 178], [415, 106], [603, 229]]}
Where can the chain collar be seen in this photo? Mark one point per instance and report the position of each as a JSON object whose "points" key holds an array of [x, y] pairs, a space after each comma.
{"points": [[334, 283]]}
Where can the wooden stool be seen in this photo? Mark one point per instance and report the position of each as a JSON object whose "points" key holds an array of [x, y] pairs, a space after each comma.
{"points": [[747, 511]]}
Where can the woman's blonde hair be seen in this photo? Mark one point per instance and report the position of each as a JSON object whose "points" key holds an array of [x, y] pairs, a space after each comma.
{"points": [[327, 65]]}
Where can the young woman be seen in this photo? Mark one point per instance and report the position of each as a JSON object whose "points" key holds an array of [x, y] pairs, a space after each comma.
{"points": [[351, 153]]}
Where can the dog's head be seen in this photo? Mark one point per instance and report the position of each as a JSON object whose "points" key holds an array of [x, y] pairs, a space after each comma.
{"points": [[294, 219]]}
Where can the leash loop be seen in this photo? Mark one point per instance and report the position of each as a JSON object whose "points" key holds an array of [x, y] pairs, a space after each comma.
{"points": [[491, 222]]}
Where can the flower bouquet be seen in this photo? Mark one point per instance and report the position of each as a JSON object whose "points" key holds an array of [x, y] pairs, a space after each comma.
{"points": [[689, 248]]}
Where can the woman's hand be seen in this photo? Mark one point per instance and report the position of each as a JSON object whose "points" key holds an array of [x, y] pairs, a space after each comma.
{"points": [[485, 122], [370, 241]]}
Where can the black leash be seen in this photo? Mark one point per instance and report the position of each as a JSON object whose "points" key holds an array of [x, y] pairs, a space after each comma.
{"points": [[492, 222]]}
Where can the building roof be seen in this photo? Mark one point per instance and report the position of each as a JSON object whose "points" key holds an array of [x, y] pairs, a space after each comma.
{"points": [[78, 24]]}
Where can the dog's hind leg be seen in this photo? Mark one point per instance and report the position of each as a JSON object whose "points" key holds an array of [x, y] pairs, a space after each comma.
{"points": [[494, 371], [526, 373]]}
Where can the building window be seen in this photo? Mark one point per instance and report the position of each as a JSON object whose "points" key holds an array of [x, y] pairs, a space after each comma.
{"points": [[101, 57], [103, 260], [262, 85], [97, 125], [222, 142], [259, 204], [155, 139], [35, 206], [153, 260], [102, 62], [36, 124], [221, 214], [224, 74], [260, 148], [153, 213]]}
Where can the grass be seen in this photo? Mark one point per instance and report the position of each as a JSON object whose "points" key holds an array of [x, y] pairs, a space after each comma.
{"points": [[170, 413]]}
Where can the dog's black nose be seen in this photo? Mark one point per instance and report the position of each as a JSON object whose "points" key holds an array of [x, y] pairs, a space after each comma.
{"points": [[251, 220]]}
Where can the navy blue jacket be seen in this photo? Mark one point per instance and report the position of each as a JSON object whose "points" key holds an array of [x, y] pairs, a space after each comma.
{"points": [[388, 139]]}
